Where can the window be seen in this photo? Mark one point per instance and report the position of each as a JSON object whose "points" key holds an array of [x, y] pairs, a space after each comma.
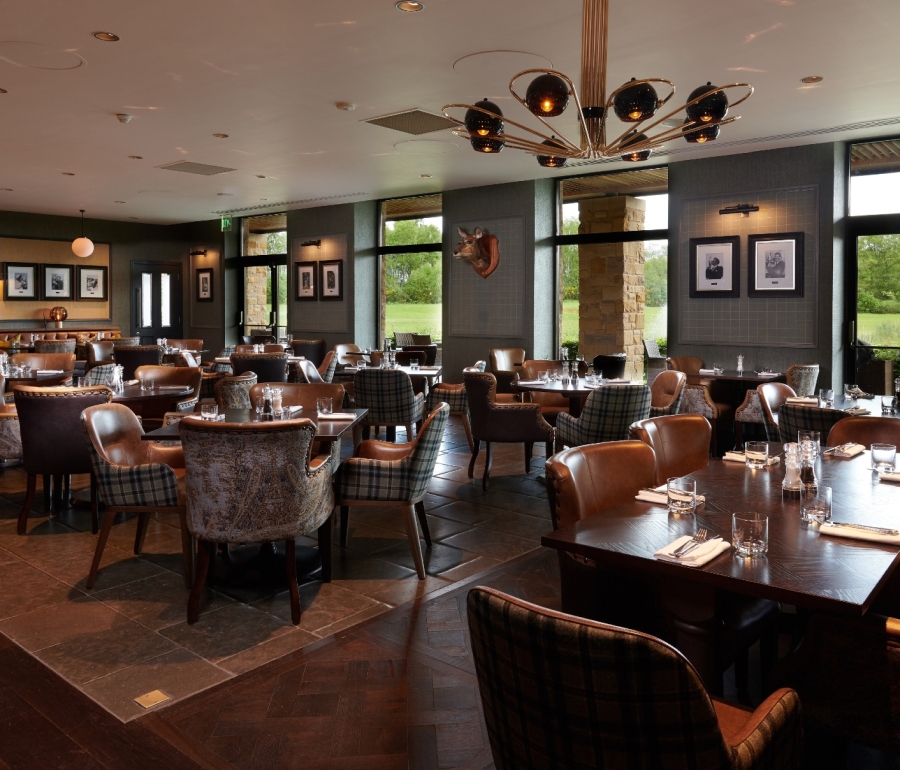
{"points": [[411, 267], [264, 247]]}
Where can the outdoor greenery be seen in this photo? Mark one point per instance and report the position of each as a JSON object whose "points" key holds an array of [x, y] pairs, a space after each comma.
{"points": [[414, 277], [878, 297]]}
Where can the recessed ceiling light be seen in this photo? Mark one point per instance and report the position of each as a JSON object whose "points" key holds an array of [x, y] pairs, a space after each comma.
{"points": [[264, 199], [426, 176], [136, 157], [410, 7], [260, 176], [106, 37], [3, 91], [221, 136], [224, 195], [345, 106], [67, 173], [6, 189], [812, 79], [120, 201]]}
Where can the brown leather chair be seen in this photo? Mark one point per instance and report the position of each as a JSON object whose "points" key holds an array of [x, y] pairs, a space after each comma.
{"points": [[347, 353], [133, 476], [130, 358], [772, 396], [53, 442], [709, 398], [551, 403], [506, 363], [162, 376], [865, 431], [268, 367], [499, 422], [276, 347], [406, 357], [262, 339], [124, 342], [311, 350], [185, 344], [679, 441], [666, 393], [244, 349], [308, 372], [62, 361], [429, 350], [99, 352]]}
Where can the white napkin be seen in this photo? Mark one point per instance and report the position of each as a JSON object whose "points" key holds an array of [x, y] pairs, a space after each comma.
{"points": [[767, 374], [707, 371], [849, 451], [805, 400], [660, 496], [740, 457], [857, 410], [130, 382], [171, 387], [531, 382], [292, 409], [337, 416], [858, 534], [619, 381], [889, 476], [702, 554], [49, 371]]}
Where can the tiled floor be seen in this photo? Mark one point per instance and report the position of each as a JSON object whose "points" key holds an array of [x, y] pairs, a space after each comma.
{"points": [[129, 636]]}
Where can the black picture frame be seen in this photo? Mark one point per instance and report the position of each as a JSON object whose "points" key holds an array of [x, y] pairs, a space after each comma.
{"points": [[20, 282], [715, 267], [205, 285], [57, 281], [775, 265], [92, 284], [331, 280], [305, 289]]}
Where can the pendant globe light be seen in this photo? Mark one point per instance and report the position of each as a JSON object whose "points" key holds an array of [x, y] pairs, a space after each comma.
{"points": [[82, 247]]}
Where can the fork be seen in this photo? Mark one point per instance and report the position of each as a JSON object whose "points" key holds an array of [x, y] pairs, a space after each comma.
{"points": [[696, 540]]}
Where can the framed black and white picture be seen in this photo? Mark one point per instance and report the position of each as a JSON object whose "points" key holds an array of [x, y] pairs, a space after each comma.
{"points": [[775, 265], [19, 281], [56, 281], [205, 285], [306, 280], [714, 266], [331, 280], [91, 284]]}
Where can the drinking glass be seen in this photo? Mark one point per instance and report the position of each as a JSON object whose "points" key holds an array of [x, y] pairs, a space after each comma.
{"points": [[26, 370], [543, 376], [209, 411], [260, 405], [883, 456], [750, 533], [361, 363], [887, 405], [414, 364], [815, 504], [717, 368], [323, 405], [681, 494], [813, 436], [81, 382], [826, 398], [756, 454], [147, 384], [850, 390]]}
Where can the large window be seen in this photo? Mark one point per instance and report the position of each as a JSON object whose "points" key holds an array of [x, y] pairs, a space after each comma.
{"points": [[264, 249], [411, 267]]}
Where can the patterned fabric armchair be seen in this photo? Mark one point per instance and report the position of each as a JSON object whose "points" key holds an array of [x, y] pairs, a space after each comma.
{"points": [[749, 412], [133, 476], [607, 416], [608, 710], [666, 393], [796, 417], [234, 392], [10, 436], [226, 368], [802, 378], [389, 397], [54, 346], [99, 375], [252, 483], [380, 473], [328, 366]]}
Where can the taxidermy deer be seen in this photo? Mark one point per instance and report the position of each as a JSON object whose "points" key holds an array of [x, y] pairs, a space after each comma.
{"points": [[480, 249]]}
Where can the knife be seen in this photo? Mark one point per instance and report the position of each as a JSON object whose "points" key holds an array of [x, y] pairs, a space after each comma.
{"points": [[865, 527]]}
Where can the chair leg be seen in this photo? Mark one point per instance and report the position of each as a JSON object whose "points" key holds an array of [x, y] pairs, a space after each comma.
{"points": [[101, 544], [187, 551], [467, 427], [143, 520], [423, 522], [412, 534], [56, 500], [738, 435], [47, 491], [95, 506], [475, 449], [487, 465], [29, 501], [549, 449], [529, 450], [290, 556], [409, 432], [345, 522], [193, 609], [326, 537]]}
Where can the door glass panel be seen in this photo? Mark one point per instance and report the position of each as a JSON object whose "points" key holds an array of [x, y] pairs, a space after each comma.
{"points": [[878, 312], [282, 297], [146, 299], [165, 290], [257, 297]]}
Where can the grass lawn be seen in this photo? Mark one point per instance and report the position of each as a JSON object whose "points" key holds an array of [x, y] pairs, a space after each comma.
{"points": [[419, 319], [654, 321], [879, 328]]}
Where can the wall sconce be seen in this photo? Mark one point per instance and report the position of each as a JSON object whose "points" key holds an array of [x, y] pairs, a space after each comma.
{"points": [[199, 253], [743, 209], [316, 243]]}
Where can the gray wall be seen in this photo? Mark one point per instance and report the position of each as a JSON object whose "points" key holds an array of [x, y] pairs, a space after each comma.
{"points": [[205, 319], [798, 188]]}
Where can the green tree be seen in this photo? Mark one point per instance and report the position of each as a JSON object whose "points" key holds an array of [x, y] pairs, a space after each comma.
{"points": [[276, 243], [879, 270], [401, 269], [656, 274], [568, 263]]}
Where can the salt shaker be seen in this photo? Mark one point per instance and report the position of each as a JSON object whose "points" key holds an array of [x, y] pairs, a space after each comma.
{"points": [[791, 481], [740, 365]]}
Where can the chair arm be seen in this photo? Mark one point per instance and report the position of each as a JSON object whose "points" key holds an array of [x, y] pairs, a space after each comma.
{"points": [[173, 456], [361, 479], [154, 484], [383, 450], [518, 422], [772, 737]]}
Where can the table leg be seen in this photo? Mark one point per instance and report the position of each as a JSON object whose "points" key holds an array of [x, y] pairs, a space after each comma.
{"points": [[575, 406], [696, 632]]}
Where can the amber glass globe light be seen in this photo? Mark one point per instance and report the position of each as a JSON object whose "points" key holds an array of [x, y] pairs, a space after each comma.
{"points": [[711, 107], [58, 315], [480, 124], [636, 157], [701, 135], [547, 96], [636, 103], [551, 161]]}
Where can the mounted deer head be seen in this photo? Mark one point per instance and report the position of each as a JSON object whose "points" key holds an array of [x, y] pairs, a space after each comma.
{"points": [[479, 249]]}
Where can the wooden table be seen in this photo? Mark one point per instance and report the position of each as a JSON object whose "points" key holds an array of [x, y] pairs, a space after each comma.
{"points": [[41, 380], [751, 378], [430, 373], [803, 568], [227, 359], [131, 395], [575, 392]]}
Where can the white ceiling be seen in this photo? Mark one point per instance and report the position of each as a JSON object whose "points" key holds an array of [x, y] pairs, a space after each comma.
{"points": [[268, 72]]}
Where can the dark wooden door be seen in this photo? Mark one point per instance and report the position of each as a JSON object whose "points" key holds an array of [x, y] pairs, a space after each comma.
{"points": [[156, 296]]}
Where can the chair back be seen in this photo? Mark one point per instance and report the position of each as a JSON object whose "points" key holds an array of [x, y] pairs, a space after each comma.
{"points": [[50, 425], [428, 349], [308, 372], [262, 339], [115, 433], [506, 359], [666, 393], [100, 350], [130, 358], [481, 393], [186, 344], [802, 378], [612, 365], [402, 339], [865, 431], [343, 352], [244, 349], [304, 394], [793, 418], [423, 457], [679, 441], [406, 357], [125, 342], [185, 358], [480, 365], [268, 367], [531, 369], [170, 375], [328, 366], [253, 482], [686, 364], [651, 347], [610, 410], [311, 350], [62, 361], [567, 692], [273, 348], [234, 392], [54, 346], [388, 395], [772, 396], [99, 375]]}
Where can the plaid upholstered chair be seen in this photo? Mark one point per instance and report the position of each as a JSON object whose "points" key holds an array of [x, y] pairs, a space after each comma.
{"points": [[454, 395], [679, 441], [389, 397], [772, 396], [802, 378], [666, 393], [99, 375], [328, 366], [607, 416], [254, 483], [234, 392], [217, 367], [865, 431], [796, 417], [564, 692], [386, 474], [133, 476]]}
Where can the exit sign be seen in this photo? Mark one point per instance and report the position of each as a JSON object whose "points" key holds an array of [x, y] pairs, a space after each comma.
{"points": [[226, 224]]}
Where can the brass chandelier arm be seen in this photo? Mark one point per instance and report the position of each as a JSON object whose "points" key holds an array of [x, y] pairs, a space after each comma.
{"points": [[527, 145], [573, 92], [652, 142]]}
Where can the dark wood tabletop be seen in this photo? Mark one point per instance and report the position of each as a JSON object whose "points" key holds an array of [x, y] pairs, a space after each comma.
{"points": [[38, 379], [326, 430], [802, 568], [747, 376], [134, 393]]}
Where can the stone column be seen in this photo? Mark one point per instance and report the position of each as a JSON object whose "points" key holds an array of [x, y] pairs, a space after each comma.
{"points": [[611, 283]]}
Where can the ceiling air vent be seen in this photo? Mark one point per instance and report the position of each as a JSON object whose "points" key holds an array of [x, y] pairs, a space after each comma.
{"points": [[196, 168], [414, 122]]}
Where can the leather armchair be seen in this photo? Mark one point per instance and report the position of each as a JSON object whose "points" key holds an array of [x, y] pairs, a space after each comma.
{"points": [[186, 344], [131, 357], [865, 431], [772, 396], [65, 362], [679, 441], [506, 363], [552, 404], [311, 350], [99, 353], [499, 422], [192, 377], [703, 396], [666, 393], [268, 367]]}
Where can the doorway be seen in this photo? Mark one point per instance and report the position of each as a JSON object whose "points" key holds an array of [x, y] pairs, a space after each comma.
{"points": [[157, 301]]}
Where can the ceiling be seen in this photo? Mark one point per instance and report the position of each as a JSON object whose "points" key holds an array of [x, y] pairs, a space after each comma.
{"points": [[269, 72]]}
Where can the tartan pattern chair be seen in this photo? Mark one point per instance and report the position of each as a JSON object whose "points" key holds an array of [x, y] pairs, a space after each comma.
{"points": [[328, 366], [234, 392], [666, 393], [772, 396], [802, 378], [387, 474], [454, 395], [749, 412], [797, 417], [389, 397], [565, 692], [607, 416], [226, 368], [99, 374]]}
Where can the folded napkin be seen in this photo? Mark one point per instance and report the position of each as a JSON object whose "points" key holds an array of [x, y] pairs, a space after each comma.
{"points": [[767, 374], [707, 371], [171, 387], [857, 410], [889, 476], [740, 457], [292, 409], [618, 381], [805, 400], [837, 530], [848, 450], [337, 416], [660, 496], [130, 382], [702, 554], [429, 368], [49, 371], [531, 382]]}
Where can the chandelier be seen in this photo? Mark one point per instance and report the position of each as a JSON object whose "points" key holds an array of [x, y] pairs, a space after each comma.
{"points": [[634, 103]]}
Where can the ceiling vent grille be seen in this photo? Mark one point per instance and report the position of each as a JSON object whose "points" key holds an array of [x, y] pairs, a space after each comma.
{"points": [[285, 204], [202, 169], [413, 122]]}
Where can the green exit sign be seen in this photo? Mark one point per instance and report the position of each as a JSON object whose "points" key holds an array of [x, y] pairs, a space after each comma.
{"points": [[226, 224]]}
